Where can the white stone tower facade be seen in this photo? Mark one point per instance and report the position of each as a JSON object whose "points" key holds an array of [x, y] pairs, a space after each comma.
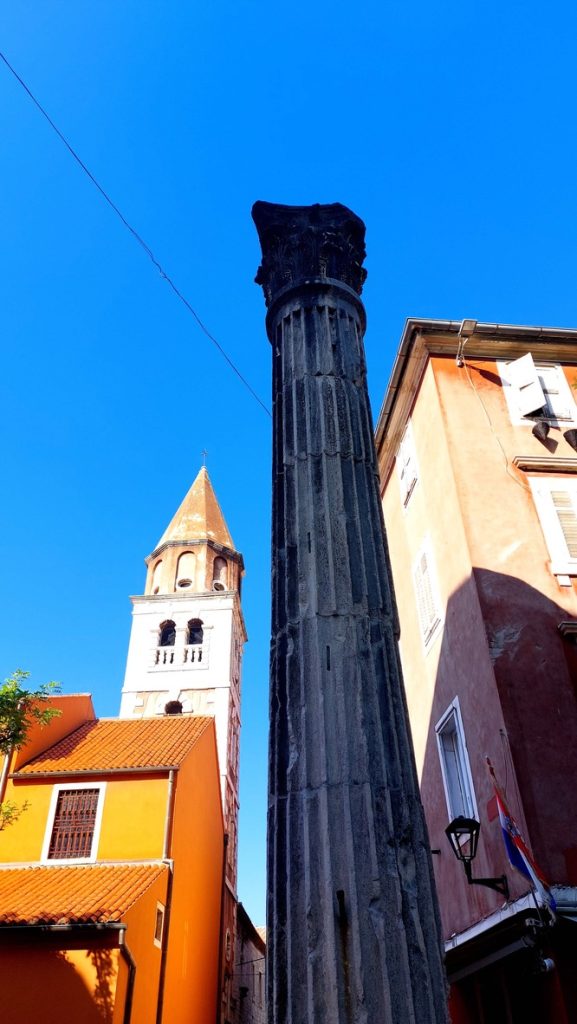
{"points": [[188, 634]]}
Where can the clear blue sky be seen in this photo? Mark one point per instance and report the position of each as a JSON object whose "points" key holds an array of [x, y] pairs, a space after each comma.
{"points": [[449, 127]]}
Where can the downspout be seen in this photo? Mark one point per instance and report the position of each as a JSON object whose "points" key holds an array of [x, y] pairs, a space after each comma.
{"points": [[219, 978], [128, 957], [165, 856], [4, 774]]}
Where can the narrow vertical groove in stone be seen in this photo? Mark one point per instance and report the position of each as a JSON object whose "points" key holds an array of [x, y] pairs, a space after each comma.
{"points": [[353, 933]]}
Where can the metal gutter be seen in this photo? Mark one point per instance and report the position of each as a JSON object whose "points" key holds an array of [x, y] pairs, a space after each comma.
{"points": [[414, 324], [72, 772], [4, 775], [128, 957]]}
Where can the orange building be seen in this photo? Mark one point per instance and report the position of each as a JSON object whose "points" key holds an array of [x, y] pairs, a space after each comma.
{"points": [[111, 880], [477, 444]]}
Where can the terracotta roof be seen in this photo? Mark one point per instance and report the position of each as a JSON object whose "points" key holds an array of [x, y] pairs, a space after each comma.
{"points": [[116, 743], [199, 517], [73, 895]]}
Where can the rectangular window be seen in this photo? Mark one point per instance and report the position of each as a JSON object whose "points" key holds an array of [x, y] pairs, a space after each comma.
{"points": [[428, 603], [455, 767], [159, 925], [556, 503], [74, 822], [407, 465], [73, 827], [537, 392]]}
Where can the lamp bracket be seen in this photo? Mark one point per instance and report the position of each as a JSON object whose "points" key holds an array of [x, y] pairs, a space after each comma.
{"points": [[499, 884]]}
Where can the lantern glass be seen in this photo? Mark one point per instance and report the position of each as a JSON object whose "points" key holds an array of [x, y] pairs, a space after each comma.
{"points": [[463, 835]]}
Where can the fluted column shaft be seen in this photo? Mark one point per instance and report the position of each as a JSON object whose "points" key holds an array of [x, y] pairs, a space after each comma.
{"points": [[353, 932]]}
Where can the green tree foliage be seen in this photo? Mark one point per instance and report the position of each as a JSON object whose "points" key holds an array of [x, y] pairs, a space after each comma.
{"points": [[19, 710]]}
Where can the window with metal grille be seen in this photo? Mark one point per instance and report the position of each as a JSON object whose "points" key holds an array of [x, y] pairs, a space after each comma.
{"points": [[556, 504], [73, 826]]}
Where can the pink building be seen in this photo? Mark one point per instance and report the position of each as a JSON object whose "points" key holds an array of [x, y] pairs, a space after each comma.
{"points": [[477, 442]]}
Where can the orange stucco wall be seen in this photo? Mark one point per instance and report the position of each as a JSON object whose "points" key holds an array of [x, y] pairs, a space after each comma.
{"points": [[197, 850], [66, 986], [73, 708], [140, 921], [132, 822]]}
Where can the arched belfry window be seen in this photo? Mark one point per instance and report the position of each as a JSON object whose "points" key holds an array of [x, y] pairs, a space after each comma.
{"points": [[219, 574], [167, 636], [195, 632], [186, 570], [156, 577]]}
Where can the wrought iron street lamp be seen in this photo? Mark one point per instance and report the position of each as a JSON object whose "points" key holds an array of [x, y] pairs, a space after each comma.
{"points": [[463, 835]]}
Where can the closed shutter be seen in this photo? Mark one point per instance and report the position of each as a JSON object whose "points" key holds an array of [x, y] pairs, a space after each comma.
{"points": [[556, 504], [564, 505], [74, 821], [407, 466], [554, 385], [429, 616]]}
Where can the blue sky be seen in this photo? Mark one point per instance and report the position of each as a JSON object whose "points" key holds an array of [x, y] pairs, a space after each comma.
{"points": [[449, 127]]}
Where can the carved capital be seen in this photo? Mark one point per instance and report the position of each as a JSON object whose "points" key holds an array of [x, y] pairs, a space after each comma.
{"points": [[303, 243]]}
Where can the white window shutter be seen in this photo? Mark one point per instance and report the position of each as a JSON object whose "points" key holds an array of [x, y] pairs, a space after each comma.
{"points": [[564, 505], [429, 616], [557, 396], [407, 465], [523, 377]]}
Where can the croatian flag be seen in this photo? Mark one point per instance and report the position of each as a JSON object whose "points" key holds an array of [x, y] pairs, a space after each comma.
{"points": [[519, 855]]}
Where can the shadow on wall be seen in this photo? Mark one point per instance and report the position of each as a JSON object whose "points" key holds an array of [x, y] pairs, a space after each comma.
{"points": [[44, 985], [515, 677]]}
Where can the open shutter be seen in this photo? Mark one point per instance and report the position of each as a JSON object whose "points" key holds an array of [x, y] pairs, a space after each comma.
{"points": [[558, 401], [523, 377]]}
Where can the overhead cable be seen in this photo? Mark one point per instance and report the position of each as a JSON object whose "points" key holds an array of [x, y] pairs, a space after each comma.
{"points": [[135, 235]]}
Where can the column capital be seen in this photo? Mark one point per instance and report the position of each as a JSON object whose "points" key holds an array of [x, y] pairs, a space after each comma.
{"points": [[304, 243]]}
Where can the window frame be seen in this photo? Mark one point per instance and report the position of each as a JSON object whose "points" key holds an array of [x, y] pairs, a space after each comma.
{"points": [[516, 416], [562, 562], [431, 632], [56, 790], [453, 713], [160, 913]]}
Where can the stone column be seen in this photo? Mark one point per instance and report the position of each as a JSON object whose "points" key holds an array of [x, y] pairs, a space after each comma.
{"points": [[353, 928]]}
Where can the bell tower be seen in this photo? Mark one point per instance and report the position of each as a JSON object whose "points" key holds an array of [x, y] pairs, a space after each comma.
{"points": [[188, 634]]}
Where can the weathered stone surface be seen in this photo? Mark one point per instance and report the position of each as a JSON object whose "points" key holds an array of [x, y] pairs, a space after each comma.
{"points": [[353, 933]]}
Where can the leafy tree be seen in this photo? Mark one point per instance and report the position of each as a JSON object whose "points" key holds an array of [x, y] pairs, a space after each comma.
{"points": [[19, 710]]}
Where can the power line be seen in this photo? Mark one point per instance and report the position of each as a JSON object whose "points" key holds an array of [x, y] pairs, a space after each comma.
{"points": [[135, 235]]}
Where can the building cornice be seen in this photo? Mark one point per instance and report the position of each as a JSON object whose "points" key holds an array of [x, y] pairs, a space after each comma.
{"points": [[422, 338]]}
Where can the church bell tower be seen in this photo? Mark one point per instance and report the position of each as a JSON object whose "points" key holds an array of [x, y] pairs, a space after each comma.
{"points": [[188, 634]]}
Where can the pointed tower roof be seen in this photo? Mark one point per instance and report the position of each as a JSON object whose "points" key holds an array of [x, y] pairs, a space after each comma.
{"points": [[199, 517]]}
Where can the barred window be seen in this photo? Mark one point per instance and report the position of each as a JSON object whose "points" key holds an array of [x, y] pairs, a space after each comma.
{"points": [[73, 826]]}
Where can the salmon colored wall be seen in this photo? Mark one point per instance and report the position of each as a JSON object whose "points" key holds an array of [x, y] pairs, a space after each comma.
{"points": [[75, 709], [197, 850], [132, 821], [33, 980], [457, 662], [521, 600], [499, 649]]}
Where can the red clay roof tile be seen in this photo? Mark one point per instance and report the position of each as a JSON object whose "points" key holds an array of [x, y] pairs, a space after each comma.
{"points": [[117, 743], [87, 893]]}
